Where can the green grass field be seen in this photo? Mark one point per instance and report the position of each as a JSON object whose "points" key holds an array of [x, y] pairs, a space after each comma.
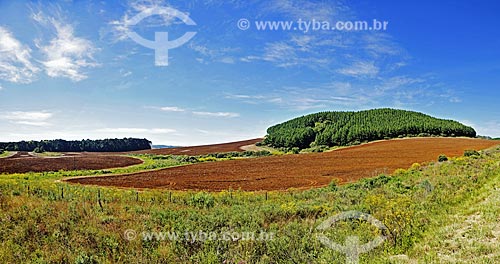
{"points": [[434, 213], [5, 154], [48, 154]]}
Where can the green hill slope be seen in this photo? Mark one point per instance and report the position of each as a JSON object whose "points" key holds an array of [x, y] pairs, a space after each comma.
{"points": [[348, 128]]}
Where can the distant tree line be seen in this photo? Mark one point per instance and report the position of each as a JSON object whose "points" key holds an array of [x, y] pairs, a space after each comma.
{"points": [[59, 145], [348, 128]]}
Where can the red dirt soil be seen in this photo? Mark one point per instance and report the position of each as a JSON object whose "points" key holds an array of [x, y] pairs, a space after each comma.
{"points": [[202, 150], [23, 162], [296, 171]]}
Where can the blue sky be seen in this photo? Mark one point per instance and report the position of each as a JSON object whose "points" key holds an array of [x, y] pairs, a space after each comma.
{"points": [[69, 70]]}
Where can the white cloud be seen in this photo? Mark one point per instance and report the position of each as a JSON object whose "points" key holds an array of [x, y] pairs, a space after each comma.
{"points": [[126, 130], [32, 123], [381, 44], [125, 73], [305, 103], [202, 131], [340, 88], [18, 115], [217, 114], [227, 60], [398, 82], [244, 96], [307, 10], [202, 50], [208, 55], [15, 59], [279, 51], [171, 109], [488, 128], [311, 96], [360, 69], [196, 113], [304, 42], [284, 54], [255, 99], [276, 100], [324, 50], [120, 28], [28, 118], [66, 55]]}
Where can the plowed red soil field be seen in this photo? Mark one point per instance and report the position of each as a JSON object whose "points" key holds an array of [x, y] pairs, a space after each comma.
{"points": [[201, 150], [23, 162], [296, 171]]}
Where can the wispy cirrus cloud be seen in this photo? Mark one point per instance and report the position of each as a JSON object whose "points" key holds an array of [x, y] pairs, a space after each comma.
{"points": [[304, 9], [398, 82], [381, 44], [245, 96], [216, 114], [255, 99], [30, 118], [15, 59], [207, 55], [360, 69], [284, 54], [318, 96], [172, 109], [166, 108], [120, 28], [66, 55], [177, 109], [360, 54], [131, 130]]}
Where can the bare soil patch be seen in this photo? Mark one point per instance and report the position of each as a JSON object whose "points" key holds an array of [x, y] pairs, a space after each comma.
{"points": [[23, 162], [296, 171], [202, 150]]}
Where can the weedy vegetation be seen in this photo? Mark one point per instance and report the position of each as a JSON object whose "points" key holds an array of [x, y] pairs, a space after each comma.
{"points": [[44, 220]]}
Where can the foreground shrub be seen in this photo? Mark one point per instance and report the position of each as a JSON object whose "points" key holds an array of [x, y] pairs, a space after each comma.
{"points": [[442, 158], [189, 159], [202, 200], [471, 153], [332, 186], [234, 154]]}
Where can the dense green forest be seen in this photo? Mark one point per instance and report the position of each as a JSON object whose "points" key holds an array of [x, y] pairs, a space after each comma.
{"points": [[348, 128], [59, 145]]}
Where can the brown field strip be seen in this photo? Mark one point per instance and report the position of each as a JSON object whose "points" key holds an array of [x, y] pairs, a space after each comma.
{"points": [[296, 171], [201, 150], [23, 162]]}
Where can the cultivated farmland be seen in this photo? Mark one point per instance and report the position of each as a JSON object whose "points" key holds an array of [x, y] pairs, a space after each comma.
{"points": [[296, 171], [23, 162], [201, 150]]}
